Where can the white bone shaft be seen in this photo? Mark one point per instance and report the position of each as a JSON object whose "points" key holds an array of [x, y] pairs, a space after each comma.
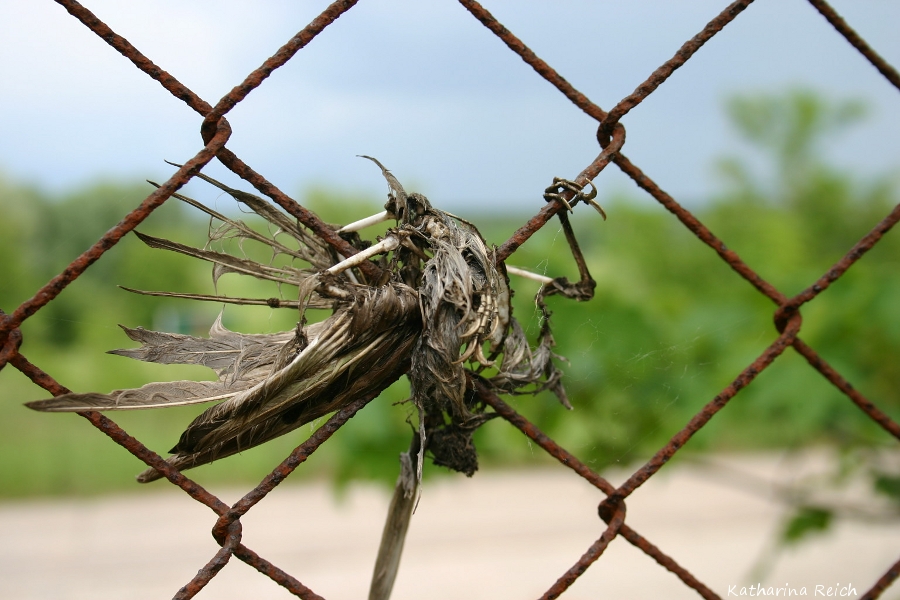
{"points": [[363, 223], [386, 245], [528, 275]]}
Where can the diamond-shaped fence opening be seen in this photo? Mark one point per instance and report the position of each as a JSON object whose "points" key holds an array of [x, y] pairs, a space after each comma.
{"points": [[610, 134]]}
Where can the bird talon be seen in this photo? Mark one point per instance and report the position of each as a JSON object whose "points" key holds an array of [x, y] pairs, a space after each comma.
{"points": [[593, 192], [597, 207], [560, 185]]}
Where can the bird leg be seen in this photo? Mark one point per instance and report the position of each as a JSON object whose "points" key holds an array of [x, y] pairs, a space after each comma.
{"points": [[542, 279]]}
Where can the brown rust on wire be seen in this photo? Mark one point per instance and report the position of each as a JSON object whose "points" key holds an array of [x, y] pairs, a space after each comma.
{"points": [[11, 342], [10, 347], [503, 409], [228, 158], [883, 583], [527, 230], [670, 66], [667, 562], [212, 568], [546, 213], [281, 56], [536, 63], [840, 267], [118, 435], [589, 557], [150, 458], [569, 460], [866, 405], [305, 216], [836, 21], [254, 560], [279, 576], [709, 411], [699, 229], [112, 237], [251, 82], [143, 63], [299, 455], [37, 375]]}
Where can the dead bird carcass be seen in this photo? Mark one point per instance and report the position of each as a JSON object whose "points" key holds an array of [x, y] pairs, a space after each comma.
{"points": [[440, 302]]}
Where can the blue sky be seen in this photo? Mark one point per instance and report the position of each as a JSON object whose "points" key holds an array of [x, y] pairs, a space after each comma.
{"points": [[425, 88]]}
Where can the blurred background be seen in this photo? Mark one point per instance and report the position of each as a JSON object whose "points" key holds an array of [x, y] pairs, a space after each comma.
{"points": [[777, 135]]}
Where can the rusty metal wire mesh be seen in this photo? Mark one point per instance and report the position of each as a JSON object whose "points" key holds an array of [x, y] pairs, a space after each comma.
{"points": [[216, 132]]}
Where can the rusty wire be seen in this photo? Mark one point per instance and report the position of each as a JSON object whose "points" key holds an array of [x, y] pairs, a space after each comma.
{"points": [[215, 132]]}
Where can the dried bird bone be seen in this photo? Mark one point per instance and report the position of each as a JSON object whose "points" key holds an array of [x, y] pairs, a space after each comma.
{"points": [[543, 279], [389, 243], [367, 222]]}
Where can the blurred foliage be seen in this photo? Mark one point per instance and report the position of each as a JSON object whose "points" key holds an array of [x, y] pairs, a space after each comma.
{"points": [[888, 484], [808, 520], [671, 325]]}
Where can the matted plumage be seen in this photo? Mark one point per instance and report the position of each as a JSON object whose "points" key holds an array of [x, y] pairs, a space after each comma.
{"points": [[440, 303]]}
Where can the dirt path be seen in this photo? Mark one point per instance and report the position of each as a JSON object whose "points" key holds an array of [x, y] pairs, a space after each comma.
{"points": [[498, 535]]}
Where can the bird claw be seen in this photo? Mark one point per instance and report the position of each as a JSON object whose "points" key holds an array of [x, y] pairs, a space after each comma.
{"points": [[560, 185]]}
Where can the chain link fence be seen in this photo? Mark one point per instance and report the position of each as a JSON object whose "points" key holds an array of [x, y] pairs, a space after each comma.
{"points": [[216, 132]]}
